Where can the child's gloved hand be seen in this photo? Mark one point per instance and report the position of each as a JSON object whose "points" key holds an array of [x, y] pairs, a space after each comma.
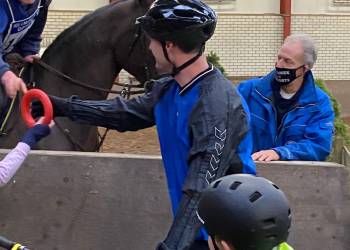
{"points": [[35, 134]]}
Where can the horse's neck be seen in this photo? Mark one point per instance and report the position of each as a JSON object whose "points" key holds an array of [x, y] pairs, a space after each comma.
{"points": [[94, 50], [97, 71]]}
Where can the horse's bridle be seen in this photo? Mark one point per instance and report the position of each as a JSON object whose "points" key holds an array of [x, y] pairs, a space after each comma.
{"points": [[126, 92], [137, 38]]}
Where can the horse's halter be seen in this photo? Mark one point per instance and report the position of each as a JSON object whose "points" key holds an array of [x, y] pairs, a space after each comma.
{"points": [[140, 37]]}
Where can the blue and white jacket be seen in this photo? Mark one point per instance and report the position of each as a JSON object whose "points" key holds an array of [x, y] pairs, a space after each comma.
{"points": [[306, 130], [20, 28]]}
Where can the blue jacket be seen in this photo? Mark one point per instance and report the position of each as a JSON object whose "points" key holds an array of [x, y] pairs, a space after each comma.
{"points": [[27, 42], [305, 132]]}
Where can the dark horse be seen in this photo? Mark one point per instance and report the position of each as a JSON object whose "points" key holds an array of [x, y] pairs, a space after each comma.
{"points": [[93, 51]]}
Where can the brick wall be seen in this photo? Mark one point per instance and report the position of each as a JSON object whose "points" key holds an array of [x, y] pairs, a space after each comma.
{"points": [[57, 21], [332, 34], [247, 43]]}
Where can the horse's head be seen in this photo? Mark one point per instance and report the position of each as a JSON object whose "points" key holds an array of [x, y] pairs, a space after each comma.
{"points": [[138, 60]]}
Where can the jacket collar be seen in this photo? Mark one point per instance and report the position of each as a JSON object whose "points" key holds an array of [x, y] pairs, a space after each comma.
{"points": [[307, 96]]}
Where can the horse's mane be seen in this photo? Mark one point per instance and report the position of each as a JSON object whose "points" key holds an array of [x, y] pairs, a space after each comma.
{"points": [[80, 25]]}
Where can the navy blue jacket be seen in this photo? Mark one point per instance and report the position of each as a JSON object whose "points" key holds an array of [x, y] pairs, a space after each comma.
{"points": [[306, 130]]}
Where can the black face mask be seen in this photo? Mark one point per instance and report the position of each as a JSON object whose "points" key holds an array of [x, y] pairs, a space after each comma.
{"points": [[285, 76]]}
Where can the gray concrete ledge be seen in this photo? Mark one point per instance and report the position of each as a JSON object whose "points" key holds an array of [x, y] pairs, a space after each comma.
{"points": [[70, 200]]}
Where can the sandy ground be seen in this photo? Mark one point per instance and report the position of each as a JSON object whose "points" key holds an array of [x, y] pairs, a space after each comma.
{"points": [[144, 141]]}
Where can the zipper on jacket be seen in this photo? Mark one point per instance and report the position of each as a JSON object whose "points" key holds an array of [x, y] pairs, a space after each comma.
{"points": [[274, 109], [285, 115], [280, 128]]}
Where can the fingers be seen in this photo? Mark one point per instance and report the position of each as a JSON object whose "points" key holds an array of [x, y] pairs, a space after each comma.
{"points": [[255, 156], [265, 155], [40, 120], [269, 158], [52, 124], [259, 156], [23, 87], [31, 58], [12, 84]]}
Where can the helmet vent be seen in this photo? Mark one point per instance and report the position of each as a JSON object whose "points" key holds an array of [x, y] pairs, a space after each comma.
{"points": [[275, 186], [271, 237], [216, 184], [255, 196], [269, 223], [235, 185]]}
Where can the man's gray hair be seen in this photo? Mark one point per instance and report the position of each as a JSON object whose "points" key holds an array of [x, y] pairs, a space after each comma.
{"points": [[310, 51]]}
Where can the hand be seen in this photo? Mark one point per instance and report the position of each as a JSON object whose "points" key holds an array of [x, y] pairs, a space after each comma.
{"points": [[36, 133], [31, 58], [12, 84], [41, 119], [266, 155]]}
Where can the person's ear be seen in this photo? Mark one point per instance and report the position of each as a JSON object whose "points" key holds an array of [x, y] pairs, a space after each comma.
{"points": [[169, 45]]}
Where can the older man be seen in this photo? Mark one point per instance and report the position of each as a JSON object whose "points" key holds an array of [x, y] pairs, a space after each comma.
{"points": [[291, 118]]}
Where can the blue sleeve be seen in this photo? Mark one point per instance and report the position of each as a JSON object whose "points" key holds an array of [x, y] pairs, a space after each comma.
{"points": [[30, 44], [317, 142], [245, 148], [3, 65], [3, 24], [245, 88]]}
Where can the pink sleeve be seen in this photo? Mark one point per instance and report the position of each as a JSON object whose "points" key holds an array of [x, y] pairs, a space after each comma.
{"points": [[12, 162]]}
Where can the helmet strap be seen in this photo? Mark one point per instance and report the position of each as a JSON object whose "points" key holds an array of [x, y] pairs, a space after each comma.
{"points": [[176, 70]]}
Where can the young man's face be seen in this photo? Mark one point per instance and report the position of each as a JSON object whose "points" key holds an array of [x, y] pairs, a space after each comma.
{"points": [[26, 1], [163, 66]]}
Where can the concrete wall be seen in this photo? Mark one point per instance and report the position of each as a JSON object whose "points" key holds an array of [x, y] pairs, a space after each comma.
{"points": [[104, 201]]}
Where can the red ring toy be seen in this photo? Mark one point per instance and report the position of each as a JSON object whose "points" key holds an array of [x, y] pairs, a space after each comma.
{"points": [[36, 94]]}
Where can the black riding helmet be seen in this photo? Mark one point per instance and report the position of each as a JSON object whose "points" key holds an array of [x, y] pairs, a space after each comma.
{"points": [[250, 212], [167, 19], [180, 21]]}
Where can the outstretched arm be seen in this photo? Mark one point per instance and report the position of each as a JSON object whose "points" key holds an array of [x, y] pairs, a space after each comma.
{"points": [[13, 160], [118, 113]]}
